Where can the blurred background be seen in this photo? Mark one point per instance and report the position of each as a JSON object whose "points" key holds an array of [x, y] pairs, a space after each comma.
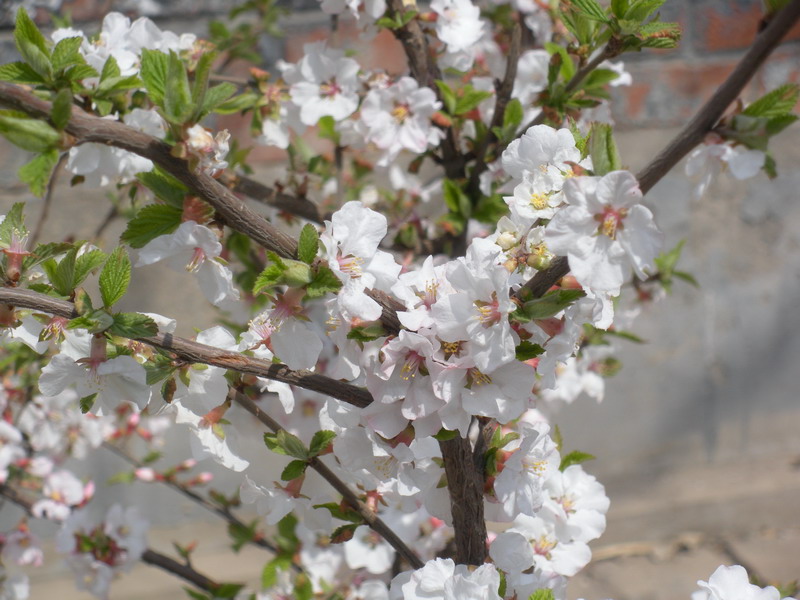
{"points": [[698, 437]]}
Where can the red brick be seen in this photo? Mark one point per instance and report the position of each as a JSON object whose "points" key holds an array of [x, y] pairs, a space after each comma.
{"points": [[732, 28]]}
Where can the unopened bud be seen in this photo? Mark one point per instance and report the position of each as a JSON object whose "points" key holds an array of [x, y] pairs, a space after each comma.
{"points": [[539, 261], [506, 240]]}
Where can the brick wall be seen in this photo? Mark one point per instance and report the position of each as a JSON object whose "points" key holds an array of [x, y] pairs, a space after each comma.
{"points": [[668, 85]]}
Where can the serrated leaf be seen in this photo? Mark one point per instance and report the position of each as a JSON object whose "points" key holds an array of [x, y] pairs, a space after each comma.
{"points": [[154, 74], [308, 245], [470, 99], [344, 533], [640, 10], [575, 457], [201, 73], [115, 276], [20, 72], [323, 282], [96, 321], [216, 96], [455, 198], [271, 441], [177, 95], [14, 221], [151, 222], [85, 264], [32, 45], [320, 441], [590, 9], [513, 116], [566, 66], [29, 134], [43, 252], [133, 325], [110, 69], [158, 372], [236, 104], [294, 469], [341, 513], [37, 172], [164, 186], [777, 103], [268, 278], [80, 72], [115, 85], [603, 149], [66, 52], [62, 275], [241, 534], [542, 594]]}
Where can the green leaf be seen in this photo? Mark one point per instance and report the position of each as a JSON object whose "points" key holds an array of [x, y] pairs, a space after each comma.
{"points": [[591, 9], [292, 444], [445, 434], [32, 45], [62, 108], [542, 594], [603, 149], [777, 103], [37, 172], [269, 575], [200, 83], [110, 69], [242, 534], [513, 116], [368, 332], [598, 79], [14, 221], [448, 97], [115, 276], [294, 469], [96, 321], [178, 105], [455, 198], [62, 275], [85, 264], [87, 402], [323, 282], [271, 441], [133, 325], [308, 245], [268, 278], [236, 104], [67, 53], [526, 351], [29, 134], [42, 252], [164, 186], [470, 99], [619, 7], [326, 129], [548, 305], [575, 457], [321, 441], [567, 66], [216, 96], [640, 10], [154, 74], [20, 72], [151, 222], [341, 513]]}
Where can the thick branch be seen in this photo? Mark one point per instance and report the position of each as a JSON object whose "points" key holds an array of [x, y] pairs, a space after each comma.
{"points": [[369, 516], [196, 352]]}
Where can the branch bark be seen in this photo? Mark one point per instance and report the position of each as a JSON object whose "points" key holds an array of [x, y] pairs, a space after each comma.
{"points": [[195, 352]]}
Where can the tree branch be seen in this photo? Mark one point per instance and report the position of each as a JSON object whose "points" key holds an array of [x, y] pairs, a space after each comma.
{"points": [[369, 516], [196, 352], [302, 207]]}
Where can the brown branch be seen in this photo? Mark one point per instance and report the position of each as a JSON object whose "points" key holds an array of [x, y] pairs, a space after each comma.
{"points": [[196, 352], [369, 516], [302, 207], [712, 111], [695, 130], [149, 556], [465, 485], [48, 200]]}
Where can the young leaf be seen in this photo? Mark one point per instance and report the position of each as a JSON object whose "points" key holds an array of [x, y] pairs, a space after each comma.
{"points": [[470, 99], [308, 245], [591, 9], [32, 45], [323, 282], [320, 442], [62, 108], [292, 445], [294, 469], [216, 96], [201, 73], [575, 457], [87, 402], [777, 103], [154, 74], [526, 350], [20, 72], [115, 277], [448, 97], [177, 96], [133, 325], [67, 53], [164, 186], [150, 222], [29, 134], [603, 149], [36, 173], [548, 305], [85, 264]]}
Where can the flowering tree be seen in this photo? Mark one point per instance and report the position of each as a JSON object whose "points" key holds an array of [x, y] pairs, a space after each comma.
{"points": [[411, 299]]}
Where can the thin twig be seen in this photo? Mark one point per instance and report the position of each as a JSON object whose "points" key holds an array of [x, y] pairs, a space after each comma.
{"points": [[223, 512], [149, 556], [369, 516], [48, 200], [301, 207], [195, 352]]}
